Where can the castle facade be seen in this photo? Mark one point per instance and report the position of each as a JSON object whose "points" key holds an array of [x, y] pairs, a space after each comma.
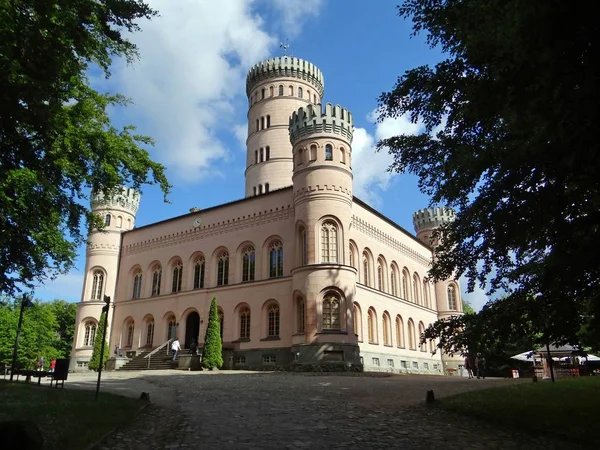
{"points": [[304, 273]]}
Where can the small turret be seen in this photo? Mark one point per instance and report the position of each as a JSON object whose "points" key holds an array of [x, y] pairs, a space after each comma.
{"points": [[426, 221], [285, 67]]}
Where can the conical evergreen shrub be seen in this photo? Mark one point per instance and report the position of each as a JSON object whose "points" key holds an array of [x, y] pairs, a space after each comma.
{"points": [[212, 356], [94, 363]]}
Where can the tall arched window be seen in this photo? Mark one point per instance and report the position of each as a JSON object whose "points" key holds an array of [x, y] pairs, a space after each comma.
{"points": [[248, 263], [422, 347], [328, 153], [266, 188], [268, 125], [260, 188], [245, 323], [365, 267], [262, 155], [255, 156], [379, 276], [262, 125], [276, 259], [150, 333], [342, 155], [156, 278], [399, 332], [394, 288], [404, 285], [331, 311], [273, 320], [119, 221], [137, 284], [267, 151], [257, 125], [271, 91], [351, 256], [262, 94], [357, 321], [300, 92], [97, 285], [281, 89], [254, 190], [303, 247], [452, 304], [171, 327], [300, 312], [223, 269], [412, 340], [107, 220], [130, 330], [371, 326], [426, 295], [90, 334], [199, 268], [387, 331], [313, 152], [416, 285], [329, 242], [177, 276], [291, 91]]}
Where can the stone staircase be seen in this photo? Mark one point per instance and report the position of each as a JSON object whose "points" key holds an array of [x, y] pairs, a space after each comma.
{"points": [[158, 361]]}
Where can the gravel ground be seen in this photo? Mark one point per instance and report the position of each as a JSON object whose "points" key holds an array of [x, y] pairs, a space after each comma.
{"points": [[244, 410]]}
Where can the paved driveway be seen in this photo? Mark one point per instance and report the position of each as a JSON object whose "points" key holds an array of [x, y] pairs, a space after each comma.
{"points": [[244, 410]]}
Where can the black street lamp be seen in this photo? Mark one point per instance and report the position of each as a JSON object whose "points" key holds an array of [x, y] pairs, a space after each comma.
{"points": [[25, 302], [105, 309]]}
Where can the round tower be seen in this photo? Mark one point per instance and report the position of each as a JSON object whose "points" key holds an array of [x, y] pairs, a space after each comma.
{"points": [[276, 88], [323, 280], [101, 265]]}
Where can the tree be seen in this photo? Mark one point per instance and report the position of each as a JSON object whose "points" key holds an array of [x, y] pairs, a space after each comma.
{"points": [[212, 355], [56, 138], [467, 307], [94, 363], [65, 314], [509, 143]]}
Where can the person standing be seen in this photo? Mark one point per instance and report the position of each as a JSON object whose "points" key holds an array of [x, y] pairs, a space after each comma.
{"points": [[480, 366], [175, 347], [52, 365], [40, 363], [468, 366], [193, 347]]}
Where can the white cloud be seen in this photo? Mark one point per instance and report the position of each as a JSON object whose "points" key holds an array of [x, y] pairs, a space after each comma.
{"points": [[477, 298], [295, 13], [194, 58], [370, 167], [241, 133], [65, 287]]}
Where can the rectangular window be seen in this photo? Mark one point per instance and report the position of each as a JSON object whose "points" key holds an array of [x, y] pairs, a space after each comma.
{"points": [[375, 361], [240, 360], [268, 359], [404, 364], [415, 365], [390, 362], [426, 366]]}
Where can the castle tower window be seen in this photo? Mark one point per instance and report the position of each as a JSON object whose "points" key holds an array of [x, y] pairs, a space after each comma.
{"points": [[262, 155], [404, 285], [412, 340], [262, 123], [371, 323], [268, 121], [245, 323], [257, 123], [387, 332], [308, 94], [329, 242], [177, 276], [150, 332], [303, 247], [97, 285], [254, 189], [315, 99], [260, 189], [399, 331], [199, 268], [300, 92], [281, 89], [129, 336], [267, 152], [262, 94], [452, 304], [156, 277], [342, 155], [393, 283], [416, 285], [271, 91], [276, 259], [379, 276], [137, 284], [129, 224], [273, 321], [223, 269], [331, 311], [300, 312], [266, 187], [255, 156], [313, 152], [119, 222], [328, 153], [248, 263], [107, 220], [90, 334], [365, 267], [291, 91], [351, 256], [426, 295]]}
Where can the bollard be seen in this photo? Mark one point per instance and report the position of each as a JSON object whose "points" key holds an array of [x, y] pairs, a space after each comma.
{"points": [[429, 398]]}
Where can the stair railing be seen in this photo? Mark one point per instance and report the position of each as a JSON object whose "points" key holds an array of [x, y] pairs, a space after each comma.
{"points": [[157, 349]]}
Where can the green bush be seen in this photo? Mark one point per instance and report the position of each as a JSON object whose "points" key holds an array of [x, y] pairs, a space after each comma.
{"points": [[212, 356]]}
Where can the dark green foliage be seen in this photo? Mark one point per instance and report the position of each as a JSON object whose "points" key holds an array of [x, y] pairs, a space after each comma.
{"points": [[56, 138], [516, 152], [47, 331], [94, 363], [212, 355], [467, 308]]}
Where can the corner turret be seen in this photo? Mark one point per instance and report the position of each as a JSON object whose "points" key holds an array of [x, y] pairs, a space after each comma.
{"points": [[426, 221]]}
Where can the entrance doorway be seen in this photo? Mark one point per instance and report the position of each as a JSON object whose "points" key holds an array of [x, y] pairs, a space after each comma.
{"points": [[192, 328]]}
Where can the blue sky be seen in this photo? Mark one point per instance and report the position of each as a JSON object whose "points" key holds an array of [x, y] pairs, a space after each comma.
{"points": [[188, 93]]}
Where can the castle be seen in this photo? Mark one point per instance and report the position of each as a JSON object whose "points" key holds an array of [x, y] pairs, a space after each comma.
{"points": [[304, 273]]}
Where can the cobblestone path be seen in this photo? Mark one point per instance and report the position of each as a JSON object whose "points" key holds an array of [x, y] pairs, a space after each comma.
{"points": [[305, 411]]}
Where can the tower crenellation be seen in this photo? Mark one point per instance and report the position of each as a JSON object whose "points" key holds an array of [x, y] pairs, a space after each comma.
{"points": [[285, 67], [312, 120], [124, 198], [430, 218]]}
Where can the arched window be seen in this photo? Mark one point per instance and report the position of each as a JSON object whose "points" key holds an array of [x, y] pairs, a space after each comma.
{"points": [[329, 242], [107, 220], [281, 89], [394, 288], [342, 155], [422, 347], [262, 94], [260, 189], [452, 304], [171, 327], [262, 155], [199, 267], [357, 321], [315, 99], [221, 323], [276, 259], [150, 333], [255, 156], [300, 92], [365, 267], [137, 284], [379, 276], [268, 123], [90, 334], [371, 326], [432, 346], [248, 263], [266, 188], [387, 331], [412, 341], [404, 285], [262, 124], [303, 247], [156, 277], [223, 269], [130, 330], [97, 285], [416, 289], [331, 311], [129, 224], [300, 312], [257, 125], [267, 153], [291, 91], [426, 295], [119, 221], [271, 91], [273, 322], [399, 332], [245, 323], [177, 276], [254, 190], [328, 153], [313, 152], [351, 256]]}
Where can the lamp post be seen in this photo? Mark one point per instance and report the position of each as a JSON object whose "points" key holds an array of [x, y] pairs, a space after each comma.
{"points": [[25, 302], [104, 310]]}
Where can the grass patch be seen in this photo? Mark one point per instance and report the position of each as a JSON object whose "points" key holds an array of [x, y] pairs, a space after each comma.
{"points": [[565, 409], [68, 419]]}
